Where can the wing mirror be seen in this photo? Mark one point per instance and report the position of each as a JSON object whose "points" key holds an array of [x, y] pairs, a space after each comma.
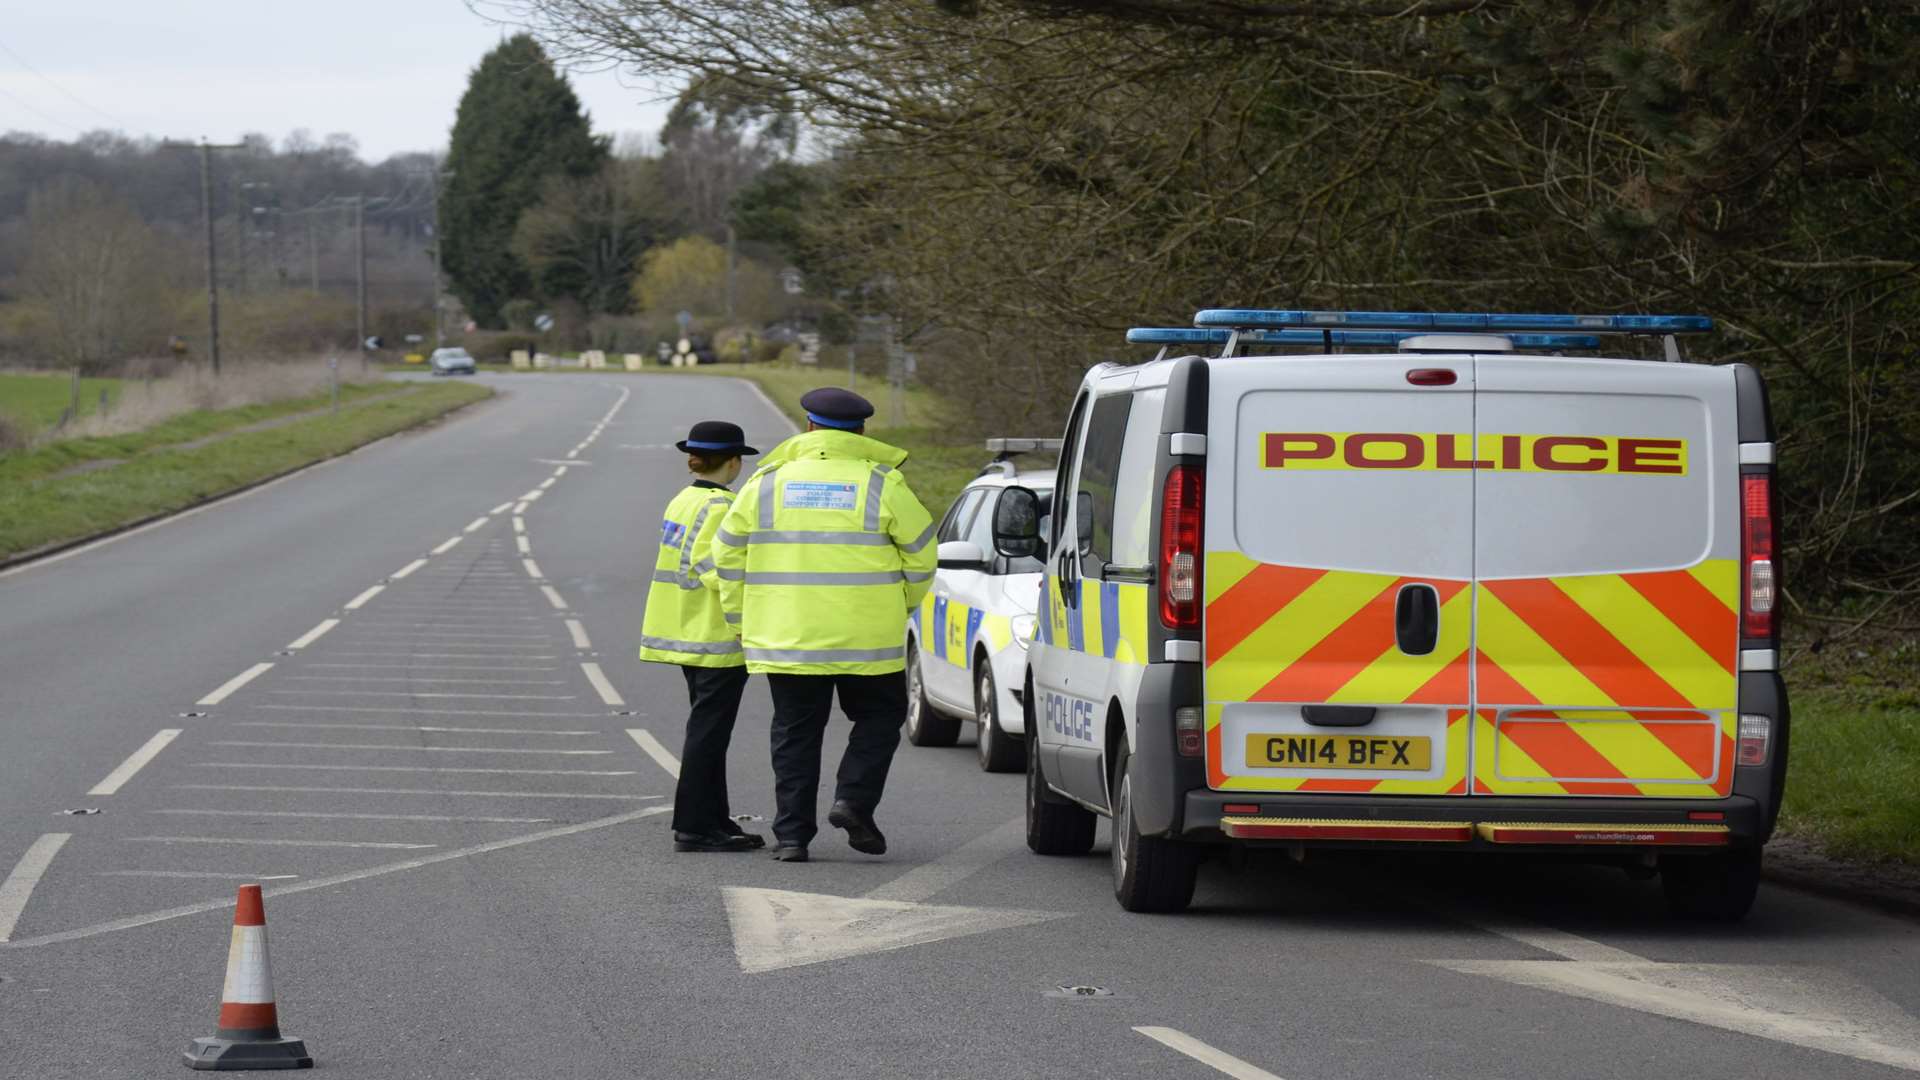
{"points": [[961, 555], [1016, 524]]}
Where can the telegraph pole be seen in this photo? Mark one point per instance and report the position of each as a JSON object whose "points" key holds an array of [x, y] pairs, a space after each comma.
{"points": [[206, 216], [313, 259], [360, 259], [439, 315]]}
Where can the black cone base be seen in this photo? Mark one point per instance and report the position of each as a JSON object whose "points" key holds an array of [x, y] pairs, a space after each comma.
{"points": [[230, 1054]]}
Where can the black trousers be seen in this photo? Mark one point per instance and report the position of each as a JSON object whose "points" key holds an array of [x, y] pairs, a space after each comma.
{"points": [[877, 705], [700, 799]]}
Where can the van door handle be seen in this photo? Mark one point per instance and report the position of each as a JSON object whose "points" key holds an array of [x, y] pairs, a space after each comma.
{"points": [[1416, 619]]}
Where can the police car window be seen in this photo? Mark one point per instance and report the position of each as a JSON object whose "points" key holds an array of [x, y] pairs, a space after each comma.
{"points": [[981, 529], [1069, 451], [1098, 486], [953, 527], [1133, 501], [1024, 565]]}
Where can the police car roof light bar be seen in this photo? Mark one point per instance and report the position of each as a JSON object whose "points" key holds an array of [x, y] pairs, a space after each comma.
{"points": [[1251, 318], [1177, 335]]}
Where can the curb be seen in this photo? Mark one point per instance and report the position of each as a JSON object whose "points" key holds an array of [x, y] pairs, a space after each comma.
{"points": [[1797, 864], [11, 563]]}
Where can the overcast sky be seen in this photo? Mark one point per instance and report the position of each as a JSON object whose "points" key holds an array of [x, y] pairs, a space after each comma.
{"points": [[388, 72]]}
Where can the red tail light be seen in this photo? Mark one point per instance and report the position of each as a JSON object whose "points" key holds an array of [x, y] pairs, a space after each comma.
{"points": [[1756, 556], [1180, 548]]}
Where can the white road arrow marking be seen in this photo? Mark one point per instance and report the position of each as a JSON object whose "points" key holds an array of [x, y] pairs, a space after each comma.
{"points": [[1803, 1006], [779, 928]]}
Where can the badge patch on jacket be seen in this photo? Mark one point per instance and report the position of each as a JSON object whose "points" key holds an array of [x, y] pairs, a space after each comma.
{"points": [[816, 495]]}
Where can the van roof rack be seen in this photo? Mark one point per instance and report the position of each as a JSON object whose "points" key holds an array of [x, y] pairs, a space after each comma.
{"points": [[1254, 319], [1177, 335]]}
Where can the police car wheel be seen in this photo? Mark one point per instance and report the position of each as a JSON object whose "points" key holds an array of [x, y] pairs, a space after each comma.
{"points": [[1713, 888], [925, 727], [999, 752], [1150, 873], [1054, 825]]}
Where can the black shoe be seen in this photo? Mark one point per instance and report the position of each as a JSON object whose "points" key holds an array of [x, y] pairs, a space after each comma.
{"points": [[754, 840], [789, 853], [686, 841], [862, 834]]}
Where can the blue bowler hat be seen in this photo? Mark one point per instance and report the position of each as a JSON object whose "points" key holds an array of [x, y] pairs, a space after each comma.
{"points": [[715, 437], [830, 406]]}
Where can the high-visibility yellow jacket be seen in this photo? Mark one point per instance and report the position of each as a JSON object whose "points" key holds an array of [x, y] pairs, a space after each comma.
{"points": [[683, 623], [822, 556]]}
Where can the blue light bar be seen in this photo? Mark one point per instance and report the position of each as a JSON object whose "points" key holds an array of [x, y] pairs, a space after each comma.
{"points": [[1444, 320], [1176, 335]]}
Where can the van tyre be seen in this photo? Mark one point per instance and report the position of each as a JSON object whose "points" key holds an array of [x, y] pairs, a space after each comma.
{"points": [[1712, 888], [1150, 873], [999, 751], [1054, 825], [925, 726]]}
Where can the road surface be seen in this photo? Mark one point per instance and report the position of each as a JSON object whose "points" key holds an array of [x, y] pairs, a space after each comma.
{"points": [[399, 691]]}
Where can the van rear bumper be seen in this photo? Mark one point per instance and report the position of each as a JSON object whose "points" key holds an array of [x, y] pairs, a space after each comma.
{"points": [[1490, 823]]}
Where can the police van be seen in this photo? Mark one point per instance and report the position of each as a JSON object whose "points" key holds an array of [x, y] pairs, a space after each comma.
{"points": [[967, 644], [1425, 581]]}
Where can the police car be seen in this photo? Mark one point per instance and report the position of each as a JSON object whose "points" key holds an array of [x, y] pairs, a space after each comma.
{"points": [[1415, 580], [966, 647]]}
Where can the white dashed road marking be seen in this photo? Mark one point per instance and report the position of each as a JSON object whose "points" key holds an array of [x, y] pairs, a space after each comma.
{"points": [[654, 750], [118, 777], [554, 598], [313, 635], [579, 634], [1206, 1055], [446, 547], [407, 569], [357, 817], [410, 768], [355, 603], [600, 684], [533, 569], [475, 525], [227, 688]]}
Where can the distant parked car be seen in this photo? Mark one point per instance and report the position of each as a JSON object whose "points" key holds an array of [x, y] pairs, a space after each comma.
{"points": [[454, 361]]}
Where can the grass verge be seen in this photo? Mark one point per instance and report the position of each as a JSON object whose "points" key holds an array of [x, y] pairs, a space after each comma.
{"points": [[40, 513], [36, 402], [1853, 775]]}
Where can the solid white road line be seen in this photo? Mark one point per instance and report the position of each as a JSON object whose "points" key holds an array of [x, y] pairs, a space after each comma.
{"points": [[424, 679], [407, 569], [437, 667], [118, 777], [533, 569], [342, 879], [579, 634], [433, 694], [354, 604], [408, 727], [196, 874], [253, 841], [418, 791], [17, 889], [313, 635], [409, 768], [600, 684], [227, 688], [357, 817], [475, 525], [446, 547], [520, 544], [416, 749], [554, 598], [438, 655], [519, 524], [1206, 1055], [501, 507], [654, 750]]}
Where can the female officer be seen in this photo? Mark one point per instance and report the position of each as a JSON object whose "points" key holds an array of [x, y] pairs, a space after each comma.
{"points": [[683, 625]]}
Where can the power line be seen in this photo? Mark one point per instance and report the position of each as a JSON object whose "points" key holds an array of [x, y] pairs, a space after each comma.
{"points": [[49, 118], [43, 77]]}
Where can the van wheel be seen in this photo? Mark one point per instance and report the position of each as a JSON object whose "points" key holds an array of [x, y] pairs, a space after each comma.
{"points": [[1714, 888], [1054, 825], [1150, 873], [925, 727], [999, 751]]}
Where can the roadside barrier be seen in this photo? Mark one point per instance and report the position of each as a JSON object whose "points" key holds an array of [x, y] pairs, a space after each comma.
{"points": [[249, 1033]]}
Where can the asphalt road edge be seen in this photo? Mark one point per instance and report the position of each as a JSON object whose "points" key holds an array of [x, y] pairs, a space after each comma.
{"points": [[25, 558], [1797, 863]]}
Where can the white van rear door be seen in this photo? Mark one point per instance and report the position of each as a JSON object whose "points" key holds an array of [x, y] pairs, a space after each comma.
{"points": [[1607, 551], [1334, 487]]}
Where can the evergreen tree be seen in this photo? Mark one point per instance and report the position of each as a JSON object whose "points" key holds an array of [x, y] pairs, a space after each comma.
{"points": [[518, 124]]}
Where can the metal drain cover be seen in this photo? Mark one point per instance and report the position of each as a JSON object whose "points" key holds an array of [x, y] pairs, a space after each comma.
{"points": [[81, 811], [192, 715], [1076, 993]]}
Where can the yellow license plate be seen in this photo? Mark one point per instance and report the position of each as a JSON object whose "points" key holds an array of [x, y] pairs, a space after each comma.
{"points": [[1373, 753]]}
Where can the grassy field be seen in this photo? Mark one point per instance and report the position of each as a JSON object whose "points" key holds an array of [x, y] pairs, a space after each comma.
{"points": [[1853, 774], [36, 401], [38, 510]]}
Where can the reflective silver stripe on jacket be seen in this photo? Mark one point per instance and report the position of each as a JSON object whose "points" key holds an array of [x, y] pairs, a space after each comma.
{"points": [[825, 656], [670, 577], [767, 497], [818, 536], [728, 573], [702, 567], [731, 616], [877, 577], [693, 532], [876, 480], [917, 575], [925, 537], [703, 648], [730, 539]]}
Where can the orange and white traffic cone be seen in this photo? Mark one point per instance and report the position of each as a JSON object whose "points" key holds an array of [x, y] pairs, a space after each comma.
{"points": [[249, 1034]]}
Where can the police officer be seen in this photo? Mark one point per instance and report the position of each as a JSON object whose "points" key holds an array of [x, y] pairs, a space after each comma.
{"points": [[684, 626], [821, 557]]}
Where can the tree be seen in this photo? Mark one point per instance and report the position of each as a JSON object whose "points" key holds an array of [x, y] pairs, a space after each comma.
{"points": [[719, 136], [93, 268], [584, 237], [518, 124], [690, 274]]}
